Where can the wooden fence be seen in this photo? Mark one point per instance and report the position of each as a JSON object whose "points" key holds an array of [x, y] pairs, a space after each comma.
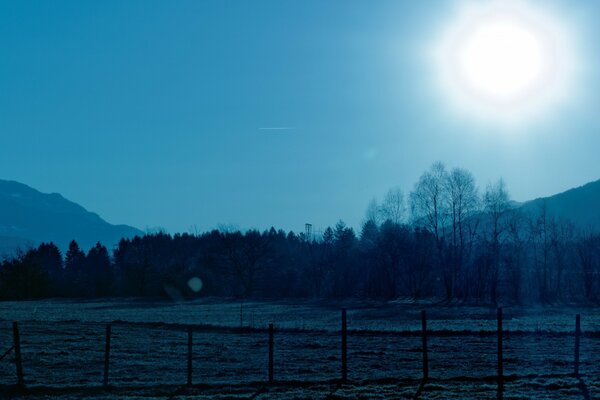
{"points": [[270, 366]]}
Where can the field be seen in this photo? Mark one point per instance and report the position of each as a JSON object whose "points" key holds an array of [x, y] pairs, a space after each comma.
{"points": [[63, 350]]}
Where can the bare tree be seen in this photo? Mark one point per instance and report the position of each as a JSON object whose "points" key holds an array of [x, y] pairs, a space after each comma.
{"points": [[552, 250], [373, 213], [588, 252], [463, 205], [496, 205], [539, 241], [562, 235], [418, 275], [427, 200], [393, 208], [514, 257], [428, 208]]}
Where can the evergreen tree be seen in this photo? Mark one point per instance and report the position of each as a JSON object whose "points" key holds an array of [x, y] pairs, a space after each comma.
{"points": [[98, 268], [74, 274]]}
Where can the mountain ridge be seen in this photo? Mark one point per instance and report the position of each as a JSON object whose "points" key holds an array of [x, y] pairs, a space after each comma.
{"points": [[28, 217], [580, 205]]}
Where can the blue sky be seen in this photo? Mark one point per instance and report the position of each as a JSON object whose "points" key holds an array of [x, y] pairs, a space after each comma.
{"points": [[150, 112]]}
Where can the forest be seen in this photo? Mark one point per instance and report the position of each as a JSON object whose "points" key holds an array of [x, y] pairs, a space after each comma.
{"points": [[446, 240]]}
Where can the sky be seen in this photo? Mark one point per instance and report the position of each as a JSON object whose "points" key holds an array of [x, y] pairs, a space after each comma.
{"points": [[161, 114]]}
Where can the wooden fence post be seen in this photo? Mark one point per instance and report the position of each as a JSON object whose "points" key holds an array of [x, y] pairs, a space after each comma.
{"points": [[424, 335], [107, 354], [577, 335], [18, 359], [271, 342], [189, 356], [344, 347], [500, 351]]}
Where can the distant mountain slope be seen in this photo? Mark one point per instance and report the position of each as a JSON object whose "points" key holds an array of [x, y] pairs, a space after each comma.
{"points": [[28, 217], [580, 205]]}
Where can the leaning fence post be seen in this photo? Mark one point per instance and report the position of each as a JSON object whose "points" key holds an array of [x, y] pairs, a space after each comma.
{"points": [[424, 335], [18, 359], [500, 356], [270, 353], [577, 335], [107, 354], [344, 347], [189, 356]]}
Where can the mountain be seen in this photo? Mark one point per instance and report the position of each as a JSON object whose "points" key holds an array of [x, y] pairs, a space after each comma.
{"points": [[580, 205], [28, 217]]}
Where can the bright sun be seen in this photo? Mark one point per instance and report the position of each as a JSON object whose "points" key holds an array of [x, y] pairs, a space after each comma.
{"points": [[504, 59]]}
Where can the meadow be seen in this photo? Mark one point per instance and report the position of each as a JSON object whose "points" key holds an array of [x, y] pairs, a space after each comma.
{"points": [[63, 349]]}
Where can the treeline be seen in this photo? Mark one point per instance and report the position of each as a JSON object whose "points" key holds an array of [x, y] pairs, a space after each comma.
{"points": [[445, 240]]}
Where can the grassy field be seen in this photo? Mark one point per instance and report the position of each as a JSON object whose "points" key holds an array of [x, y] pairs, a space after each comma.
{"points": [[63, 350]]}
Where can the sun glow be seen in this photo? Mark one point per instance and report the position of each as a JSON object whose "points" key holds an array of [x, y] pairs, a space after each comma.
{"points": [[504, 60]]}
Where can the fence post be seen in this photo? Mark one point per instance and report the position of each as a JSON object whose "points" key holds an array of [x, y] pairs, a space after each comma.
{"points": [[107, 354], [18, 359], [271, 353], [577, 335], [424, 334], [189, 356], [500, 351], [344, 347]]}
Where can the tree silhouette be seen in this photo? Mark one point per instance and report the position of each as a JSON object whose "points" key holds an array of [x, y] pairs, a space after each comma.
{"points": [[74, 271], [455, 246]]}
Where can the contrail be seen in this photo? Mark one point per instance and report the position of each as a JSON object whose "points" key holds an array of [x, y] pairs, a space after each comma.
{"points": [[277, 128]]}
